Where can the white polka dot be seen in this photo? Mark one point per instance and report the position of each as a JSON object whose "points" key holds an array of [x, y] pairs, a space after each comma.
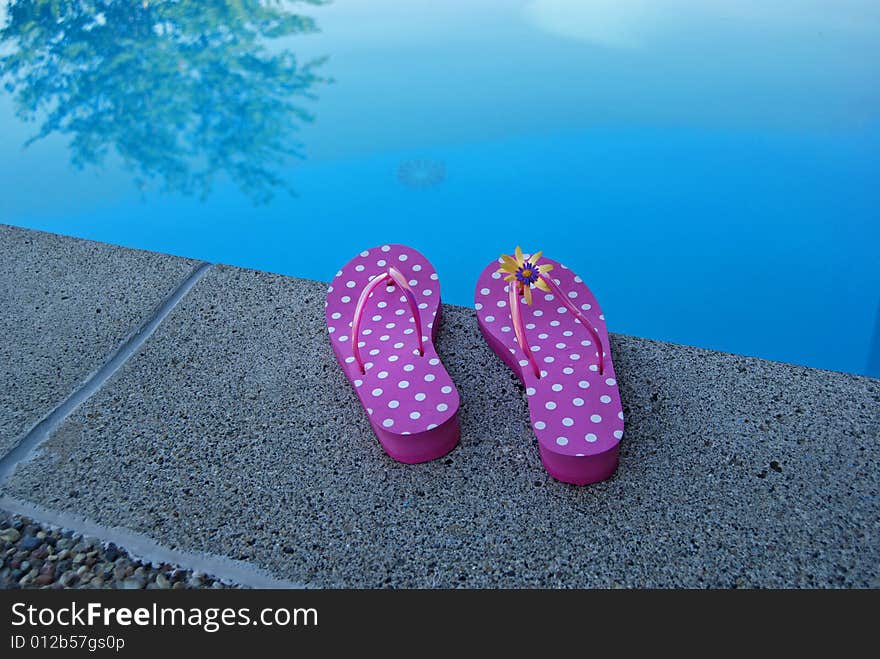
{"points": [[484, 291], [610, 382], [415, 415], [586, 307], [620, 415], [417, 268], [367, 331], [402, 257], [561, 310], [530, 391], [412, 282], [336, 315], [574, 356], [601, 316], [568, 370], [339, 273], [369, 410], [408, 330], [540, 425], [536, 348], [359, 267], [549, 359], [386, 248], [430, 377], [382, 375], [568, 421], [605, 399], [586, 342], [478, 306], [393, 358], [350, 284], [434, 276], [427, 292], [374, 352], [590, 437], [358, 383], [446, 390], [538, 312], [543, 336], [442, 407], [433, 361], [408, 368], [496, 275], [505, 329], [376, 392], [381, 263], [562, 441], [431, 426], [393, 404], [384, 337], [596, 418], [403, 384], [489, 319], [530, 326], [560, 345], [594, 367], [577, 402], [368, 366], [331, 329], [420, 397], [501, 303], [349, 360], [556, 387], [618, 434], [343, 338], [549, 297], [523, 362], [365, 253], [550, 405], [346, 299]]}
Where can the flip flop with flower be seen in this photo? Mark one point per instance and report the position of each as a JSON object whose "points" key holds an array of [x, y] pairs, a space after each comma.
{"points": [[525, 272], [556, 342]]}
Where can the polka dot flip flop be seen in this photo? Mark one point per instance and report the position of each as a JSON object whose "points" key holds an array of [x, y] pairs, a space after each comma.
{"points": [[382, 315], [550, 330]]}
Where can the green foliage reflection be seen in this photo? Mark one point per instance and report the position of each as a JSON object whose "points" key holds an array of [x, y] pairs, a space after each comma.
{"points": [[182, 91]]}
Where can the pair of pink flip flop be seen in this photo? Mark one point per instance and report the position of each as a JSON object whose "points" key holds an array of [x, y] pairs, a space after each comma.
{"points": [[383, 310]]}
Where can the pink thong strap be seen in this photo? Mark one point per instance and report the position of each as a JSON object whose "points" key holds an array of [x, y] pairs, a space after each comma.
{"points": [[520, 330], [392, 275]]}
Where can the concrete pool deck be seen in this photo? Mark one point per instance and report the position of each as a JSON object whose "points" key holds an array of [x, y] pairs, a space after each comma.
{"points": [[203, 418]]}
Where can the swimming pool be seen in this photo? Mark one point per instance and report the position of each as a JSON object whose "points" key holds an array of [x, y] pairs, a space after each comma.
{"points": [[710, 169]]}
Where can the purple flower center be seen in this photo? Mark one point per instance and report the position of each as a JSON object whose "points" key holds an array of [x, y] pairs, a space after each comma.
{"points": [[527, 274]]}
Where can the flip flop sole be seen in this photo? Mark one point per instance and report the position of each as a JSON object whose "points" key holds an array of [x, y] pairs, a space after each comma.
{"points": [[574, 409], [410, 399]]}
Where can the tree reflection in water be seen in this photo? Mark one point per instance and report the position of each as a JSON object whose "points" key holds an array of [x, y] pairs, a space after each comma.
{"points": [[182, 92]]}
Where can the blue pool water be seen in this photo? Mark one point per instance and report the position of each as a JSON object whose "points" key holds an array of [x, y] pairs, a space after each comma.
{"points": [[710, 169]]}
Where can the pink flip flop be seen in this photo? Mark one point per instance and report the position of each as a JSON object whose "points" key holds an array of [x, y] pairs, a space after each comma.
{"points": [[383, 310], [551, 332]]}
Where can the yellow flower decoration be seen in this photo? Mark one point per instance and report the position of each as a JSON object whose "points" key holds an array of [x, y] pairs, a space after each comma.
{"points": [[525, 272]]}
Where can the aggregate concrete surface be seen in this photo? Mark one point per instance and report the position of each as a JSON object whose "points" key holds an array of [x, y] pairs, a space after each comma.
{"points": [[65, 305], [232, 430]]}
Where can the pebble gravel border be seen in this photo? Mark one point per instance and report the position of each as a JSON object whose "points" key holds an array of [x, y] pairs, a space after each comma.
{"points": [[36, 556]]}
